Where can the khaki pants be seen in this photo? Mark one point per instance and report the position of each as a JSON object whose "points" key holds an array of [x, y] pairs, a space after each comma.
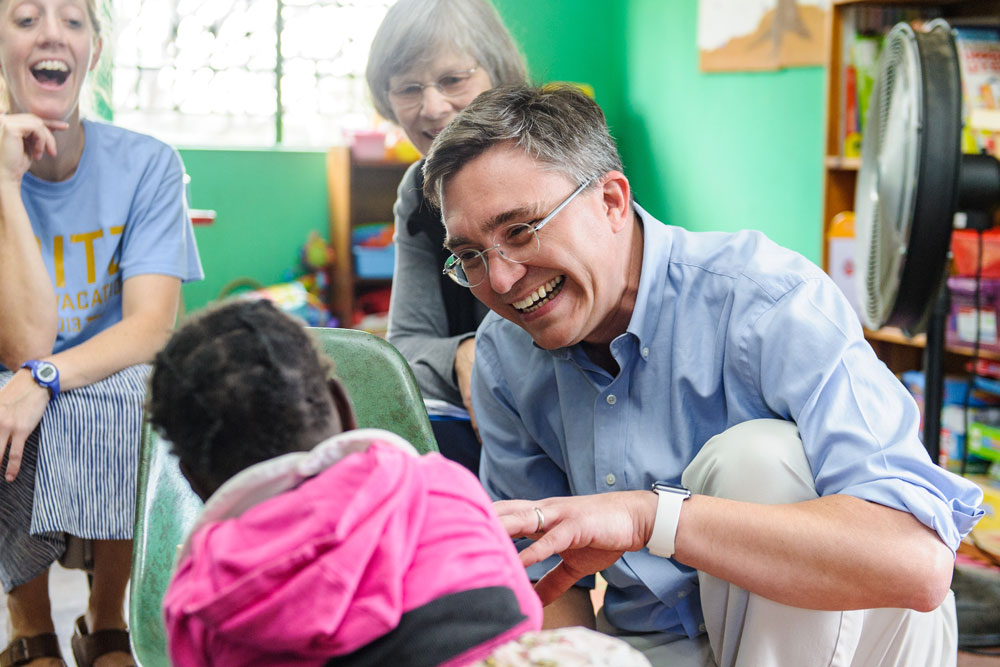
{"points": [[763, 461]]}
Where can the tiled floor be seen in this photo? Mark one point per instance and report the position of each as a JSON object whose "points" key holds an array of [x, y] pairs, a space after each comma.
{"points": [[69, 595]]}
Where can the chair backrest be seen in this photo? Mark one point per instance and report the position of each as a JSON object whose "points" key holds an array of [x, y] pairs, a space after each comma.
{"points": [[385, 395], [380, 384]]}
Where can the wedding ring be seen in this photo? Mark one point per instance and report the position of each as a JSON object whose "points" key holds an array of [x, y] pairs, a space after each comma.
{"points": [[541, 520]]}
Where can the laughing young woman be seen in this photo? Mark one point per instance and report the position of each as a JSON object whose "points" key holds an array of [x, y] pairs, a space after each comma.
{"points": [[95, 241]]}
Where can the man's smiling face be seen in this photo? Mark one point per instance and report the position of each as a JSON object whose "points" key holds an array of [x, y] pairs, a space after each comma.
{"points": [[571, 290]]}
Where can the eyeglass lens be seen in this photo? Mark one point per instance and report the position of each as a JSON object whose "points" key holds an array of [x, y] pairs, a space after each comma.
{"points": [[516, 243], [452, 84]]}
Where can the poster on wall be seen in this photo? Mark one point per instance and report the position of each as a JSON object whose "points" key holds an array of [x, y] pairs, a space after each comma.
{"points": [[753, 35]]}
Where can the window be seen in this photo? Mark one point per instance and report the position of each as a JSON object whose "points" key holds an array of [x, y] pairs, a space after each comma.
{"points": [[244, 72]]}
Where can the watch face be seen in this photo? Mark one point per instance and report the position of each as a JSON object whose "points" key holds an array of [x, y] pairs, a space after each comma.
{"points": [[671, 487], [46, 372]]}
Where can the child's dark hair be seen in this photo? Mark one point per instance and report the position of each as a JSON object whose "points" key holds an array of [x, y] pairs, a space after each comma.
{"points": [[237, 385]]}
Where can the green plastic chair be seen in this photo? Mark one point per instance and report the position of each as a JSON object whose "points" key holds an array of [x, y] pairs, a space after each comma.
{"points": [[385, 395]]}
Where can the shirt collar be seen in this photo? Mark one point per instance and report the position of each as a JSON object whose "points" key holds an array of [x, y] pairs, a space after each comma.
{"points": [[656, 243], [657, 240]]}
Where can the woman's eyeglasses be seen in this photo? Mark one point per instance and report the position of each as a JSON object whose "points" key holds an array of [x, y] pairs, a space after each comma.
{"points": [[450, 85]]}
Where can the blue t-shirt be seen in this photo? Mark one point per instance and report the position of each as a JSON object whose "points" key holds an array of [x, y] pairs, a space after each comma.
{"points": [[726, 328], [121, 214]]}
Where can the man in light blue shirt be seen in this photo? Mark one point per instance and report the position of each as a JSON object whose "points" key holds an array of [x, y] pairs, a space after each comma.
{"points": [[617, 352]]}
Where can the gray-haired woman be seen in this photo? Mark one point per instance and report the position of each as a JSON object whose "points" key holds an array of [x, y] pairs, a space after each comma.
{"points": [[429, 59]]}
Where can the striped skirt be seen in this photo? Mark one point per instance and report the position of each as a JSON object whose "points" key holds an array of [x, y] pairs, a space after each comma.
{"points": [[78, 475]]}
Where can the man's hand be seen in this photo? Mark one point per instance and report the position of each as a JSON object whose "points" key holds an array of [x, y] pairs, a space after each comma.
{"points": [[589, 533]]}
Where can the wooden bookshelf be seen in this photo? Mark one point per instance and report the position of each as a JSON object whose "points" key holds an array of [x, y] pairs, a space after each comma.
{"points": [[359, 192], [840, 173]]}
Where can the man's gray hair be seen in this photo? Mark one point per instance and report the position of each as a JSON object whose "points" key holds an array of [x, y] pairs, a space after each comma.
{"points": [[415, 32], [556, 125]]}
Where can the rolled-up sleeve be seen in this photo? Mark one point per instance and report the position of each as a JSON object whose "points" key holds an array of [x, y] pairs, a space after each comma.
{"points": [[859, 425]]}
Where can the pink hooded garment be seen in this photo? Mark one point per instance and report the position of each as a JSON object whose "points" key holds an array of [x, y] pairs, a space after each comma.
{"points": [[315, 554]]}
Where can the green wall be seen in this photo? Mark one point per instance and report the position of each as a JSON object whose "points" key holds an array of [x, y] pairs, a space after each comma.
{"points": [[574, 40], [720, 151], [266, 202], [704, 151]]}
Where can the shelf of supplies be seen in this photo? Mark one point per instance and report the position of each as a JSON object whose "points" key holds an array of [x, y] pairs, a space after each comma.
{"points": [[843, 163], [360, 192], [897, 337], [894, 335]]}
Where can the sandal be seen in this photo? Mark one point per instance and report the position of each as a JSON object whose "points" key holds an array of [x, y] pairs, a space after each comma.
{"points": [[23, 650], [89, 646]]}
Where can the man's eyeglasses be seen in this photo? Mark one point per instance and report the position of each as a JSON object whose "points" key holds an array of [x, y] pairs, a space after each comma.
{"points": [[451, 85], [516, 243]]}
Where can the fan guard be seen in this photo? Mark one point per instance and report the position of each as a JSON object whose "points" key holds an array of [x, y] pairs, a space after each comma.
{"points": [[909, 180]]}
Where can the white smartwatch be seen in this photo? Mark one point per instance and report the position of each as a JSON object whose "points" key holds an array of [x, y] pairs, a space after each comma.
{"points": [[668, 512]]}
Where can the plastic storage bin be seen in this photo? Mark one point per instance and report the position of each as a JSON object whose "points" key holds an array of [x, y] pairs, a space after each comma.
{"points": [[368, 145], [374, 262]]}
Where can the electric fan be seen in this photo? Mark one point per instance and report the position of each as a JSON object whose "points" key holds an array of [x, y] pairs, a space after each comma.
{"points": [[913, 180]]}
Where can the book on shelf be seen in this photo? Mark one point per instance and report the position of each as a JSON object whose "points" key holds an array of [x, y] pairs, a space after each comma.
{"points": [[862, 67], [863, 28], [978, 49]]}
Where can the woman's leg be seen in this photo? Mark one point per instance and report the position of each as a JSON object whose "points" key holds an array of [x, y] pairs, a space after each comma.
{"points": [[106, 609], [31, 613]]}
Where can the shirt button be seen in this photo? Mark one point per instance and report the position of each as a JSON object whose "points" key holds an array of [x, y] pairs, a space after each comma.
{"points": [[682, 595], [611, 399], [701, 628], [610, 479], [645, 353]]}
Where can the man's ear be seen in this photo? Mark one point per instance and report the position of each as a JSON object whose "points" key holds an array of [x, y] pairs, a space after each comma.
{"points": [[617, 195], [198, 485], [342, 403]]}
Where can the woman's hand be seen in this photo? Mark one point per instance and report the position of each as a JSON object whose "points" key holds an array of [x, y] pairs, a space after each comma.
{"points": [[22, 402], [25, 138], [464, 356]]}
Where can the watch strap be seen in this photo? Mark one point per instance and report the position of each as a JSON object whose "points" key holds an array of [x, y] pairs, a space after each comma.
{"points": [[668, 513], [52, 385]]}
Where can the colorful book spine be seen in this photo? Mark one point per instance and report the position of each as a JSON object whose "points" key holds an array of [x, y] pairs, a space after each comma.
{"points": [[862, 32], [979, 60]]}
